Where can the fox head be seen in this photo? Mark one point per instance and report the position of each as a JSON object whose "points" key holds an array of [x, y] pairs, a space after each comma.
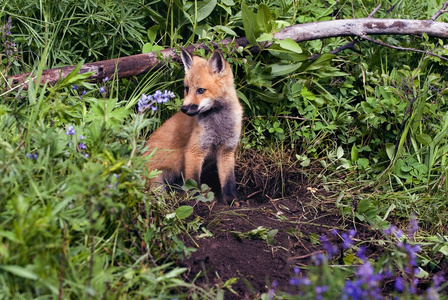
{"points": [[208, 83]]}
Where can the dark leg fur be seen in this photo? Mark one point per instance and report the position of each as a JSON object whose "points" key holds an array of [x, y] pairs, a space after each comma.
{"points": [[229, 189]]}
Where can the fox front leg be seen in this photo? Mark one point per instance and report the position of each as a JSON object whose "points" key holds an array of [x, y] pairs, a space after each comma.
{"points": [[193, 166], [226, 171]]}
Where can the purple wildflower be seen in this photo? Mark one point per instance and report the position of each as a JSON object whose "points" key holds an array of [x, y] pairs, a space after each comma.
{"points": [[70, 130], [271, 293], [74, 87], [361, 253], [399, 284], [413, 226], [334, 232], [329, 247], [347, 240], [81, 137], [438, 279], [365, 286], [148, 101], [102, 90], [82, 146], [299, 281], [296, 270], [319, 291], [106, 79], [31, 155]]}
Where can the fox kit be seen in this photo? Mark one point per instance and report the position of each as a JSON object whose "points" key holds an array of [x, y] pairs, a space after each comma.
{"points": [[207, 131]]}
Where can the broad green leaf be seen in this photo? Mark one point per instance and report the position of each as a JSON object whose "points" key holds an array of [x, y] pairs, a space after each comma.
{"points": [[244, 98], [280, 70], [423, 138], [305, 93], [189, 184], [150, 48], [339, 152], [354, 154], [20, 271], [251, 28], [390, 150], [363, 162], [225, 29], [265, 37], [152, 33], [444, 250], [363, 206], [205, 8], [264, 17], [184, 212], [290, 45]]}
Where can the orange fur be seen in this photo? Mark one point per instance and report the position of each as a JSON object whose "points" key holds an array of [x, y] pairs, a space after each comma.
{"points": [[207, 130]]}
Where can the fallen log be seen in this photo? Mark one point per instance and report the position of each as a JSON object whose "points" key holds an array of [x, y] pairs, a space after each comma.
{"points": [[142, 63]]}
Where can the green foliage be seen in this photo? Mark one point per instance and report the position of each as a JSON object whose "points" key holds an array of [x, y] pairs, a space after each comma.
{"points": [[73, 211], [75, 218]]}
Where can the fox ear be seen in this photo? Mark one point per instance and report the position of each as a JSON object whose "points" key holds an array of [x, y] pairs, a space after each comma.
{"points": [[187, 59], [216, 63]]}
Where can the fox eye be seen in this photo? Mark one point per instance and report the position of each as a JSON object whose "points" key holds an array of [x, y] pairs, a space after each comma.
{"points": [[186, 89], [200, 91]]}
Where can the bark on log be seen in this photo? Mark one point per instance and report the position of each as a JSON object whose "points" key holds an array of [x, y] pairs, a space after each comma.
{"points": [[141, 63]]}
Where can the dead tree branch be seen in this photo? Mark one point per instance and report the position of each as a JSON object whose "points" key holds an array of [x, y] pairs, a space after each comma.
{"points": [[142, 63], [402, 48], [441, 11]]}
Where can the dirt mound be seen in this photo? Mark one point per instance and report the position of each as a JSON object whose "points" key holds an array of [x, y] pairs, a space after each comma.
{"points": [[277, 226], [260, 241], [239, 246]]}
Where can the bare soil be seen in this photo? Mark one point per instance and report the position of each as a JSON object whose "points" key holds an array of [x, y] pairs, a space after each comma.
{"points": [[275, 195]]}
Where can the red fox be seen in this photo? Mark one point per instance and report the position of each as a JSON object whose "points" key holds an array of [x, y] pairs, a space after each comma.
{"points": [[204, 136]]}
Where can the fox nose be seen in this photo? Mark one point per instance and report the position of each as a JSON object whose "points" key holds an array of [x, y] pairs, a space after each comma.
{"points": [[190, 109]]}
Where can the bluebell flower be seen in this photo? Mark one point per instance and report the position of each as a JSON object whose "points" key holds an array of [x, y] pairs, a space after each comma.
{"points": [[318, 259], [361, 253], [329, 247], [31, 155], [106, 79], [74, 87], [399, 284], [271, 293], [102, 90], [148, 101], [438, 279], [296, 270], [70, 130], [413, 226], [82, 146], [81, 137], [319, 291], [347, 240]]}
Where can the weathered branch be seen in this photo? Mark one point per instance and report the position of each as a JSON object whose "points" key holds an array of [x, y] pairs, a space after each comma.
{"points": [[441, 11], [403, 48], [141, 63]]}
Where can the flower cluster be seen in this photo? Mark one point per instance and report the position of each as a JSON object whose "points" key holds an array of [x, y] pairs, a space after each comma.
{"points": [[366, 283], [149, 101], [83, 93], [81, 147], [10, 47], [32, 156]]}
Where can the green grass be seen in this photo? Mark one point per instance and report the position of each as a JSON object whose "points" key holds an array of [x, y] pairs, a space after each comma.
{"points": [[77, 223]]}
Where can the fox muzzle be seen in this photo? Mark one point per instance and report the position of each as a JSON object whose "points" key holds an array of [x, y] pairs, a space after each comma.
{"points": [[190, 109]]}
